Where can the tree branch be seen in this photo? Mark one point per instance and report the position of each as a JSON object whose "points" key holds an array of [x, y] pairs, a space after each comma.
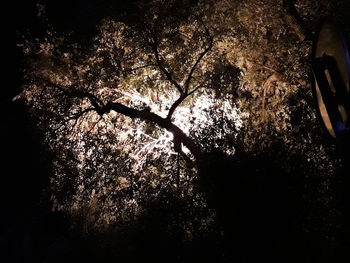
{"points": [[195, 89], [185, 91], [179, 135], [175, 105], [72, 92], [78, 115], [163, 69], [200, 57], [146, 115], [180, 100]]}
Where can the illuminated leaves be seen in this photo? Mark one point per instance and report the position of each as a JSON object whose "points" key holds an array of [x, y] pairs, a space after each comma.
{"points": [[144, 67], [250, 69]]}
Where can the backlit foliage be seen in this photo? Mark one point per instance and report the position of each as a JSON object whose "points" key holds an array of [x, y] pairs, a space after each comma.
{"points": [[250, 89], [110, 157]]}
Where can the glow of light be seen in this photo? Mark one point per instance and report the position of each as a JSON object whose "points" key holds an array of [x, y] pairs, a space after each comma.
{"points": [[187, 117], [141, 145]]}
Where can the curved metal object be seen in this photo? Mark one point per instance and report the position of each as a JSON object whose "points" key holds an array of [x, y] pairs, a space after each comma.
{"points": [[331, 68]]}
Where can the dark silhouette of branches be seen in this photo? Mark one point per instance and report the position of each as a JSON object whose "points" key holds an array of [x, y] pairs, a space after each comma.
{"points": [[184, 89], [103, 108], [209, 45], [163, 69]]}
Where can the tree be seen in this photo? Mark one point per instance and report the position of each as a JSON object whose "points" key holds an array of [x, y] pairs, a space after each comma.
{"points": [[131, 114], [143, 93]]}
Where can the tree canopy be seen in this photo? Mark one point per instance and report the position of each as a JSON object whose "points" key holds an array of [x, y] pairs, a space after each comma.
{"points": [[135, 111], [139, 94]]}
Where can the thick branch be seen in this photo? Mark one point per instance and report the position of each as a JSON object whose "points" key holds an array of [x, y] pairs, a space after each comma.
{"points": [[175, 105], [100, 108], [165, 123], [180, 100]]}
